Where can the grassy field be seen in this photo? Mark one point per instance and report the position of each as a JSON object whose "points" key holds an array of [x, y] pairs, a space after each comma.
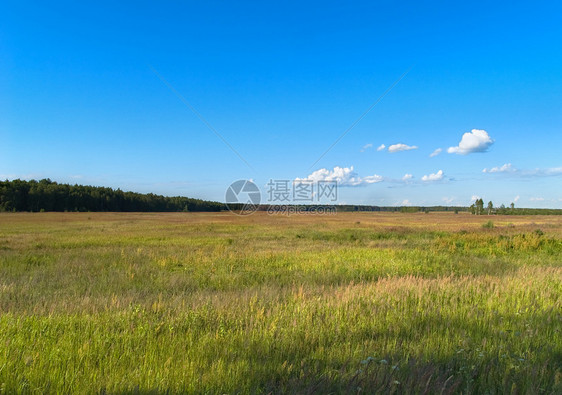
{"points": [[216, 303]]}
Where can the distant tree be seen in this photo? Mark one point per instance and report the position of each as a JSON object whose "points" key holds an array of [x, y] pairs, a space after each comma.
{"points": [[490, 207], [472, 209], [512, 205], [479, 206]]}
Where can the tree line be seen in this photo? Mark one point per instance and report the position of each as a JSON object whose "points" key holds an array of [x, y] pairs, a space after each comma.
{"points": [[477, 208], [47, 195]]}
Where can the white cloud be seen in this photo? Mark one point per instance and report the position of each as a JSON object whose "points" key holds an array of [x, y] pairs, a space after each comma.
{"points": [[407, 177], [381, 147], [475, 141], [544, 172], [371, 179], [406, 202], [30, 176], [508, 169], [474, 198], [400, 147], [345, 176], [435, 153], [536, 199], [516, 198], [552, 171], [434, 176], [501, 169], [366, 147], [448, 200]]}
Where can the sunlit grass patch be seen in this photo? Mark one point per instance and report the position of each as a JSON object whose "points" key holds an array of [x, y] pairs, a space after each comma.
{"points": [[223, 304]]}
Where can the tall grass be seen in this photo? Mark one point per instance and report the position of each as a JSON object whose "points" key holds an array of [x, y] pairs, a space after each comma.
{"points": [[223, 304]]}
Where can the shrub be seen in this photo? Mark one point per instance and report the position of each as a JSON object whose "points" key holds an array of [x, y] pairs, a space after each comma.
{"points": [[539, 232]]}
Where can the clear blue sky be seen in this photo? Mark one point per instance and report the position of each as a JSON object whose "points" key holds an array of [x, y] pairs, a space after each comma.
{"points": [[281, 81]]}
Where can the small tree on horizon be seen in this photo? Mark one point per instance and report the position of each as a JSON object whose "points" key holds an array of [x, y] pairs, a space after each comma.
{"points": [[479, 206]]}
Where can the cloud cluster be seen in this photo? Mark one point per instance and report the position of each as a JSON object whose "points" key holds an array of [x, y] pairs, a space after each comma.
{"points": [[381, 147], [407, 177], [474, 141], [501, 169], [434, 176], [400, 147], [345, 176]]}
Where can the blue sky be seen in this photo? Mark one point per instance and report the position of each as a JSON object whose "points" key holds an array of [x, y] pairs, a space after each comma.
{"points": [[281, 81]]}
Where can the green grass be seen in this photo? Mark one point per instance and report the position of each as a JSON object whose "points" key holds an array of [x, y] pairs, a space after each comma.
{"points": [[214, 303]]}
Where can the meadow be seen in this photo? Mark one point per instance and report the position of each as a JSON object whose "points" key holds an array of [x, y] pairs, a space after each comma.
{"points": [[219, 303]]}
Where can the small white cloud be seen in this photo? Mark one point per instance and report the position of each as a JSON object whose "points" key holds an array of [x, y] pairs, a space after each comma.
{"points": [[474, 141], [516, 198], [381, 147], [371, 179], [407, 177], [366, 147], [545, 172], [406, 202], [536, 199], [400, 147], [435, 153], [553, 171], [474, 198], [501, 169], [30, 176], [448, 200], [344, 176], [508, 170], [434, 176]]}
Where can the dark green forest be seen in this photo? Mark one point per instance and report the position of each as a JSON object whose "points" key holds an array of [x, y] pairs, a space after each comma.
{"points": [[47, 195]]}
